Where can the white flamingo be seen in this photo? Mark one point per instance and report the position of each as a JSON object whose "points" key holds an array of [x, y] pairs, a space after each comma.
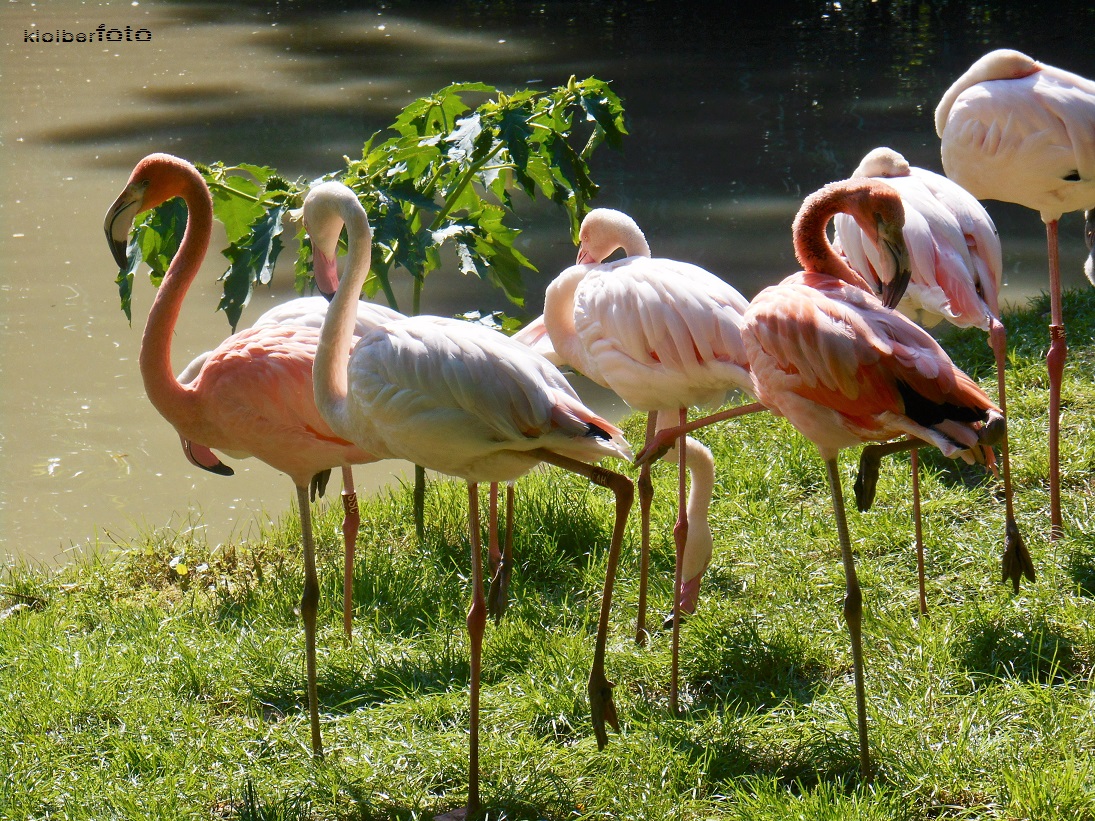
{"points": [[664, 335], [463, 400], [1017, 130]]}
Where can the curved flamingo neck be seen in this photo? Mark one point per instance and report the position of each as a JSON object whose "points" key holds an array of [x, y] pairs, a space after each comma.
{"points": [[812, 247], [559, 318], [174, 401], [329, 373]]}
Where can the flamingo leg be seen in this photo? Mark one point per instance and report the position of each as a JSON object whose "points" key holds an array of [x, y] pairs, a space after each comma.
{"points": [[870, 460], [646, 497], [601, 707], [501, 561], [1055, 363], [351, 524], [477, 620], [1016, 560], [853, 615], [919, 530], [309, 608], [680, 536], [866, 482], [665, 438]]}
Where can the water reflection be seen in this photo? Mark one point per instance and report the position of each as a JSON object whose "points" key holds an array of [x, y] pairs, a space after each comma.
{"points": [[732, 121]]}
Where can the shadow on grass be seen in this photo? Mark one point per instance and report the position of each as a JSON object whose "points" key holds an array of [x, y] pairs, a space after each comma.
{"points": [[1027, 648], [736, 663], [1081, 569]]}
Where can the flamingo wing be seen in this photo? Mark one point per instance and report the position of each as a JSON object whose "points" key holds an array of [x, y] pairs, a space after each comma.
{"points": [[452, 396], [843, 369], [954, 254], [1029, 140], [663, 334]]}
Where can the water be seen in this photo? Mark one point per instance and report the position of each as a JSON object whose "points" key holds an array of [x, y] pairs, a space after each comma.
{"points": [[732, 122]]}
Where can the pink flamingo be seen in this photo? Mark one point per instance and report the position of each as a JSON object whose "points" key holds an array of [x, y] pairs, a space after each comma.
{"points": [[1017, 130], [308, 312], [664, 336], [466, 401], [954, 254], [845, 369], [253, 394]]}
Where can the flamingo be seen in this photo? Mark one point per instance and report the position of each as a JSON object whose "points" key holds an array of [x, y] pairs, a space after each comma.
{"points": [[309, 312], [253, 393], [664, 336], [954, 254], [1017, 130], [466, 401], [844, 369]]}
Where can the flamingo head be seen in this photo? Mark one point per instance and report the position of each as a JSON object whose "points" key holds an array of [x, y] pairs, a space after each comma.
{"points": [[606, 229], [878, 211], [155, 179], [327, 208]]}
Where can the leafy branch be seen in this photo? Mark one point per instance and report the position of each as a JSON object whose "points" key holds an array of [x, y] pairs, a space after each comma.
{"points": [[445, 175]]}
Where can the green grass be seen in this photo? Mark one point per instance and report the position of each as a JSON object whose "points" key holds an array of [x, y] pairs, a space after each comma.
{"points": [[129, 690]]}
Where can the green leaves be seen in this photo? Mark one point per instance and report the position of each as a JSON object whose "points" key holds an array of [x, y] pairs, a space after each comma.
{"points": [[252, 261], [444, 174], [155, 240]]}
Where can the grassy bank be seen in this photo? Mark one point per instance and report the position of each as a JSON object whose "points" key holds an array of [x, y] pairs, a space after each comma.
{"points": [[164, 677]]}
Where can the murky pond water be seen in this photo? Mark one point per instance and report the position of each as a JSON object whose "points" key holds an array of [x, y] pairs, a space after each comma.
{"points": [[732, 123]]}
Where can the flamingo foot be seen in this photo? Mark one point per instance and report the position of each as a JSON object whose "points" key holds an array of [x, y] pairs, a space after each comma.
{"points": [[1016, 562], [657, 446], [602, 709], [866, 480], [498, 592]]}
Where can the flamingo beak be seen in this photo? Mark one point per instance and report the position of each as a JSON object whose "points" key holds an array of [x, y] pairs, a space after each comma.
{"points": [[893, 288], [119, 220], [584, 257], [202, 457], [325, 270]]}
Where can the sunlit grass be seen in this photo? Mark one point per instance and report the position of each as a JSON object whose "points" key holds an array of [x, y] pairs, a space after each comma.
{"points": [[129, 689]]}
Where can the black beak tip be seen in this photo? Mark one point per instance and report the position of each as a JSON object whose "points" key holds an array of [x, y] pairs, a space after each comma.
{"points": [[119, 251], [328, 296]]}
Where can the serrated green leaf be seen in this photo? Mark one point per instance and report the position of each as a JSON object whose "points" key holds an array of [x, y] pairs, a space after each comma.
{"points": [[235, 205], [514, 132], [251, 261], [604, 108], [160, 235], [463, 138]]}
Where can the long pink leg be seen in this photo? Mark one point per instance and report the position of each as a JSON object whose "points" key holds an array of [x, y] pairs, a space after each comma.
{"points": [[494, 554], [1055, 363], [664, 439], [477, 620], [501, 561], [309, 608], [919, 530], [1016, 561], [680, 536], [602, 709], [853, 615], [351, 524], [646, 496]]}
